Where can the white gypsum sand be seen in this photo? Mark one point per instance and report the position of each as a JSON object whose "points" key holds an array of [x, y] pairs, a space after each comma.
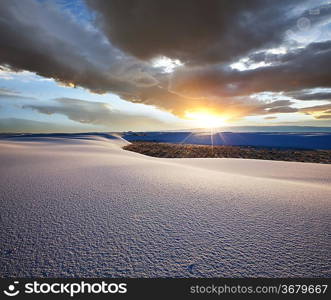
{"points": [[85, 207]]}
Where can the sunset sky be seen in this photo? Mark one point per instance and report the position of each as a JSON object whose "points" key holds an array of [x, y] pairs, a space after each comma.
{"points": [[155, 65]]}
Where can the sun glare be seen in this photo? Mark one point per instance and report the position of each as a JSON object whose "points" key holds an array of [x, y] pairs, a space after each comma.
{"points": [[206, 119]]}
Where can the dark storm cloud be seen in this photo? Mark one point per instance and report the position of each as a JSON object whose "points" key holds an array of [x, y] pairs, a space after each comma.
{"points": [[39, 37], [195, 31], [302, 69], [113, 55]]}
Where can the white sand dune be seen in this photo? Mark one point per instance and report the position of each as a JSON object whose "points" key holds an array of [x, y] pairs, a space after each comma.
{"points": [[85, 207]]}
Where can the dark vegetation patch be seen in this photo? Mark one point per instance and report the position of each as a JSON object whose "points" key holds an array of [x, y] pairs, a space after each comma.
{"points": [[168, 150]]}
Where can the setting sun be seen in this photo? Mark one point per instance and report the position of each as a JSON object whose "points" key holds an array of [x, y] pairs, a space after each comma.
{"points": [[206, 119]]}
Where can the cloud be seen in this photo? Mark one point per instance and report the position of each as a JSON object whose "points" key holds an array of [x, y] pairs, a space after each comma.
{"points": [[283, 109], [7, 73], [316, 108], [307, 68], [114, 54], [13, 125], [323, 117], [231, 107], [193, 31], [96, 113], [11, 94], [7, 92], [270, 118], [309, 96], [318, 111], [42, 38]]}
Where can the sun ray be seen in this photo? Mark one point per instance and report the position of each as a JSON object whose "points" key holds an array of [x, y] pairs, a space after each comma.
{"points": [[186, 138], [212, 139]]}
